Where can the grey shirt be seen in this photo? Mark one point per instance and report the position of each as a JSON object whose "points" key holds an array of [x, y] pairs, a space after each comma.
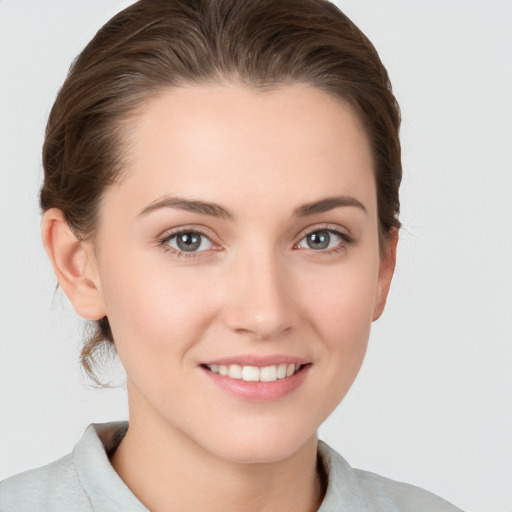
{"points": [[85, 481]]}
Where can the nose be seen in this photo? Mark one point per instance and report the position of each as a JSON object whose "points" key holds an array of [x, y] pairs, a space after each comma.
{"points": [[259, 297]]}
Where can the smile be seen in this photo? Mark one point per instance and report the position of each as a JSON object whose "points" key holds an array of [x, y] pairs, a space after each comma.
{"points": [[257, 378], [255, 373]]}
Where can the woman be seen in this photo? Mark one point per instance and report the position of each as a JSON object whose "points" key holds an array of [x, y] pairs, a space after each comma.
{"points": [[221, 198]]}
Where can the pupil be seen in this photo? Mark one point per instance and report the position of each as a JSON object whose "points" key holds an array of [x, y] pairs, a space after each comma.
{"points": [[189, 241], [319, 240]]}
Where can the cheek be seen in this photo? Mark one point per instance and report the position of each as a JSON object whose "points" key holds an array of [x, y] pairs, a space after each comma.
{"points": [[154, 312], [341, 314], [344, 321], [342, 301], [156, 319]]}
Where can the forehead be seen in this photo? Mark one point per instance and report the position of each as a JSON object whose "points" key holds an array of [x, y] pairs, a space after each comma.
{"points": [[242, 145]]}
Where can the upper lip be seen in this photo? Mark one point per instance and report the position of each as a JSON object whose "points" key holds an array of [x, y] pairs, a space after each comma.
{"points": [[257, 360]]}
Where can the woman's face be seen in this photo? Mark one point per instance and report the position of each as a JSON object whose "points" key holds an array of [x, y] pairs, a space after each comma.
{"points": [[242, 236]]}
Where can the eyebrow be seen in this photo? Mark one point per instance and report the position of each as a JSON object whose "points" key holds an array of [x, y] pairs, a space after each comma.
{"points": [[215, 210], [327, 204], [190, 205]]}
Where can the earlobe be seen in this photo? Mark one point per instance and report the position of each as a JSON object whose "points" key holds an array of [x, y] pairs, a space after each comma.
{"points": [[386, 270], [73, 264]]}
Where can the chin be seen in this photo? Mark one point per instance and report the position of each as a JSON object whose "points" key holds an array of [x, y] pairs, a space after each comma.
{"points": [[262, 445]]}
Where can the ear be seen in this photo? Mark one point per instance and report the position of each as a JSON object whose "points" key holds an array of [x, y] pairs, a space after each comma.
{"points": [[74, 264], [386, 270]]}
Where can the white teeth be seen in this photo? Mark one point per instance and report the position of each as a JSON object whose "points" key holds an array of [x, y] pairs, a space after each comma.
{"points": [[251, 373], [235, 371], [268, 374], [254, 373], [281, 371]]}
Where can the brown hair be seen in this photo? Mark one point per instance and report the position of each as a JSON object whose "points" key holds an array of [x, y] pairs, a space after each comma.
{"points": [[156, 44]]}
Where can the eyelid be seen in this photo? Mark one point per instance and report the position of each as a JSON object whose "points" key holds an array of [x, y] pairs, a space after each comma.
{"points": [[201, 230], [347, 240], [336, 228], [192, 228]]}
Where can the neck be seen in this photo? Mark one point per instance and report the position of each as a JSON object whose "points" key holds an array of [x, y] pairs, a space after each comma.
{"points": [[167, 470]]}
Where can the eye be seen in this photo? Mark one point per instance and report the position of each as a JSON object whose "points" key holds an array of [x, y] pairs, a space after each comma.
{"points": [[188, 241], [321, 240]]}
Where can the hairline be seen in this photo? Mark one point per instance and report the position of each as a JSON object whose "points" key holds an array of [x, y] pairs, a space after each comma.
{"points": [[143, 99]]}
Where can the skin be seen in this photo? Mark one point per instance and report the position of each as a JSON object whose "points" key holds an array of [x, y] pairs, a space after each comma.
{"points": [[255, 287]]}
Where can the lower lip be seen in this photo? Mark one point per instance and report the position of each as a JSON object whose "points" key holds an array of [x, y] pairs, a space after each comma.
{"points": [[259, 391]]}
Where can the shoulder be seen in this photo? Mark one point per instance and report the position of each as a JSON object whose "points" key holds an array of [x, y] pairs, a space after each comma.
{"points": [[82, 481], [403, 496], [52, 487], [354, 489]]}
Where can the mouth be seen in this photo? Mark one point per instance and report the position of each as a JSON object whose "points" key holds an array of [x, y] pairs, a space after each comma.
{"points": [[245, 373]]}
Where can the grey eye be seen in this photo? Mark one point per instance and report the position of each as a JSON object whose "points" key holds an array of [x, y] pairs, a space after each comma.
{"points": [[320, 240], [190, 241]]}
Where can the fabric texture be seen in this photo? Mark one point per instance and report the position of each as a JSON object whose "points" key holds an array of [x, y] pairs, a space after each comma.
{"points": [[85, 481]]}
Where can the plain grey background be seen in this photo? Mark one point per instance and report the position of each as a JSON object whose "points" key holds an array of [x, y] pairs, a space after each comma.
{"points": [[433, 403]]}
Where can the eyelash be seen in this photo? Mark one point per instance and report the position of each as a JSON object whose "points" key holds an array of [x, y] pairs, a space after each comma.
{"points": [[347, 240], [166, 238]]}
